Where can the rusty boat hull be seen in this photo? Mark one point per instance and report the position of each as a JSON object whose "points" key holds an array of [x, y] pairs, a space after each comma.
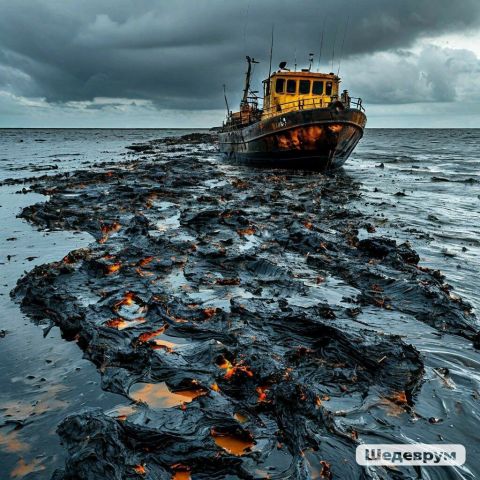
{"points": [[317, 139]]}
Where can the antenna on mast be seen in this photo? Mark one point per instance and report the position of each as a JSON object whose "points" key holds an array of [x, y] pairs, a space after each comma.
{"points": [[245, 27], [269, 84], [271, 54], [333, 48], [321, 45], [343, 42]]}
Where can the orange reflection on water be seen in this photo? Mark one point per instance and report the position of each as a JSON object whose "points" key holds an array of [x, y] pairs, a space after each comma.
{"points": [[233, 444], [44, 401], [140, 469], [147, 336], [11, 443], [23, 468], [157, 395], [164, 344], [144, 273], [107, 230], [121, 324], [181, 475], [240, 417], [128, 300], [112, 268], [145, 261], [181, 472], [246, 231], [232, 370]]}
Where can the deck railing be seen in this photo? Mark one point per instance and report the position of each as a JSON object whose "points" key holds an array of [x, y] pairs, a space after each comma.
{"points": [[299, 104], [309, 103]]}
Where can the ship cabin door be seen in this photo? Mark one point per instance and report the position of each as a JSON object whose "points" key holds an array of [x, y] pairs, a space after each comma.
{"points": [[290, 91]]}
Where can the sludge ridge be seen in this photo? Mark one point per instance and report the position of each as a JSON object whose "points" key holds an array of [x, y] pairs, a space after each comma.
{"points": [[221, 301]]}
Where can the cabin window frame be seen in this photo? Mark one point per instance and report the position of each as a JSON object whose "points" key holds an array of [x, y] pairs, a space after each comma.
{"points": [[314, 90], [304, 81], [290, 81], [328, 88], [282, 82]]}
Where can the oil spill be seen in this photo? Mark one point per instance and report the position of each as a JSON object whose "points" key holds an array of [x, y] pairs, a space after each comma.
{"points": [[24, 468], [243, 294]]}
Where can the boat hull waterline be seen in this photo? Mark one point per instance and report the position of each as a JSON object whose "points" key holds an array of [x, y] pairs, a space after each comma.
{"points": [[317, 139]]}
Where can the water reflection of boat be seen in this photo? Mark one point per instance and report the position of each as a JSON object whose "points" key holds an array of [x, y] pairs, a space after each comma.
{"points": [[304, 122]]}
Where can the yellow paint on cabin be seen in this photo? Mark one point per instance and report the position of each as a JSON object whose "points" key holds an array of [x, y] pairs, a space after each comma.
{"points": [[288, 91]]}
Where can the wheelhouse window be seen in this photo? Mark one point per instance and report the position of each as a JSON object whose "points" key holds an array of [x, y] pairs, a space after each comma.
{"points": [[304, 87], [317, 88], [328, 89], [280, 85], [291, 86]]}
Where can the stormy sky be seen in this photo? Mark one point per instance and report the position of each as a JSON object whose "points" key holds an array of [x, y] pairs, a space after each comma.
{"points": [[158, 63]]}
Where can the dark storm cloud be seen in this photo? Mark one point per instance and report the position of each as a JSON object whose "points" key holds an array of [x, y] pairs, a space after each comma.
{"points": [[433, 74], [178, 54]]}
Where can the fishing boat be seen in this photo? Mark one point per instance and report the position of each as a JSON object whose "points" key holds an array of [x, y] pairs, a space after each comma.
{"points": [[303, 123]]}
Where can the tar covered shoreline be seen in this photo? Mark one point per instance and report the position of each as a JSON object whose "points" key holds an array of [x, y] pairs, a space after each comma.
{"points": [[236, 310]]}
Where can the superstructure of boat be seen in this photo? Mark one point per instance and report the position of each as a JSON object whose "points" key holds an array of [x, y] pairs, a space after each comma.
{"points": [[303, 123]]}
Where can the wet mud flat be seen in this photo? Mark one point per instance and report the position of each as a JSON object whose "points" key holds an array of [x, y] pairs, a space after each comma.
{"points": [[230, 307]]}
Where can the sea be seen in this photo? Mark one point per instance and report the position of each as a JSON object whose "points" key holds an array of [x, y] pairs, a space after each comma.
{"points": [[421, 186]]}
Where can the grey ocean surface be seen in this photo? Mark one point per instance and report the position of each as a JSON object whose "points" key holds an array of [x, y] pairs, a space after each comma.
{"points": [[419, 185]]}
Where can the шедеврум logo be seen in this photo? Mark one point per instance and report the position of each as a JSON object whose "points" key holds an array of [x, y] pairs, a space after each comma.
{"points": [[417, 454]]}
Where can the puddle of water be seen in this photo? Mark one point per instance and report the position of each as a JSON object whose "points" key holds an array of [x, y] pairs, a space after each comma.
{"points": [[169, 343], [233, 444], [122, 324], [215, 183], [129, 307], [181, 475], [168, 223], [158, 395], [249, 242], [176, 279]]}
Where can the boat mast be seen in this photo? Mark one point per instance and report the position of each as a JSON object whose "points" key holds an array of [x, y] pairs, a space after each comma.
{"points": [[244, 102], [226, 101], [270, 65]]}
